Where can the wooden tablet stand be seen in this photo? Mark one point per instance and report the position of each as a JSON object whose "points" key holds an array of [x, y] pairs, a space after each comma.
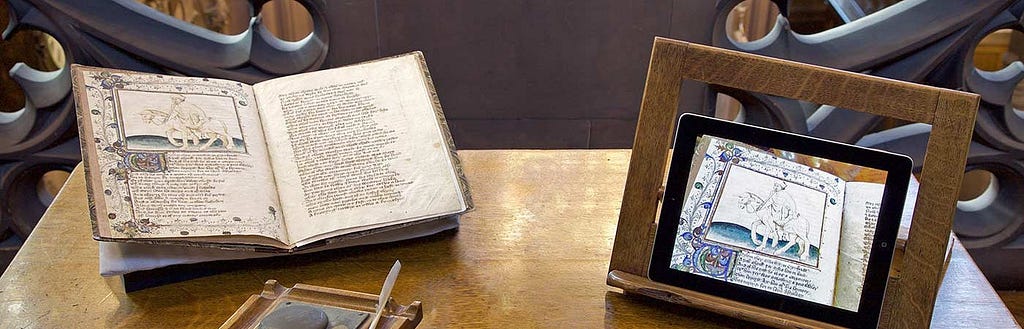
{"points": [[909, 302]]}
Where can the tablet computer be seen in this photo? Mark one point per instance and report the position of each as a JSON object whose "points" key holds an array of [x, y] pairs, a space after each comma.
{"points": [[778, 220]]}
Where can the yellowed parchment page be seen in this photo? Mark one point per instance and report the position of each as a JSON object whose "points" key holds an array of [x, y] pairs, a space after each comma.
{"points": [[357, 147], [176, 158]]}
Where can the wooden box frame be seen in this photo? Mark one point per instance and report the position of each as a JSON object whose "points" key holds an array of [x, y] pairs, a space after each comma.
{"points": [[907, 304], [394, 315]]}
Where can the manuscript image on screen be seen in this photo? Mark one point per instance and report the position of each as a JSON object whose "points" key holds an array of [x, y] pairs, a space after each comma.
{"points": [[759, 219]]}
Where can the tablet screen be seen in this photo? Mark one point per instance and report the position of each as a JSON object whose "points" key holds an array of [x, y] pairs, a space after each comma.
{"points": [[778, 221]]}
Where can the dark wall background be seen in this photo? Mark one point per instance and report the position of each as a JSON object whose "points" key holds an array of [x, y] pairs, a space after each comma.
{"points": [[525, 74]]}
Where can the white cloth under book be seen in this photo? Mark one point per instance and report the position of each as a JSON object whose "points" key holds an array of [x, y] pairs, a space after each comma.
{"points": [[121, 258]]}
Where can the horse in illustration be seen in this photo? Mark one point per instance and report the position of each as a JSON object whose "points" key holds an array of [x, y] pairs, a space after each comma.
{"points": [[776, 220], [180, 130]]}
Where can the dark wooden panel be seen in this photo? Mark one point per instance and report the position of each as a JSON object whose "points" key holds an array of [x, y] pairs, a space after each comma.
{"points": [[1009, 265], [684, 15], [1015, 302], [9, 245], [539, 134], [515, 59], [612, 134], [354, 32]]}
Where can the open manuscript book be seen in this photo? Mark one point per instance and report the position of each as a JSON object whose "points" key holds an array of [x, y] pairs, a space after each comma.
{"points": [[285, 164], [761, 219]]}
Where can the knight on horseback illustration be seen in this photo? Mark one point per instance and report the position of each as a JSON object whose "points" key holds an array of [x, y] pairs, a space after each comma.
{"points": [[185, 122], [777, 220]]}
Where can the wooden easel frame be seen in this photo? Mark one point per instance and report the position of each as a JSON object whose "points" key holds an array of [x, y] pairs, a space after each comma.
{"points": [[951, 114]]}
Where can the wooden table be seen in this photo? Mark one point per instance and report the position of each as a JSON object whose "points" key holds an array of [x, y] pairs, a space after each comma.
{"points": [[534, 253]]}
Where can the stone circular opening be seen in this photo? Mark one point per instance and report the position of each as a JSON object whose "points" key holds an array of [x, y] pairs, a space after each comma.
{"points": [[287, 20], [979, 190], [751, 20], [729, 108]]}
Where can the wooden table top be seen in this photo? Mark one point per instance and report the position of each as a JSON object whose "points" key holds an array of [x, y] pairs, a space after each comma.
{"points": [[534, 253]]}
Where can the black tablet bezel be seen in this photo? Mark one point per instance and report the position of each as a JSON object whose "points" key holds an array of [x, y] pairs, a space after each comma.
{"points": [[897, 166]]}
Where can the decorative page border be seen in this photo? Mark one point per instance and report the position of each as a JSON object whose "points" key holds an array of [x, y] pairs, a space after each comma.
{"points": [[114, 162]]}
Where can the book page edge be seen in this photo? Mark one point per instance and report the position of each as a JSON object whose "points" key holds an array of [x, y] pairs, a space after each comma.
{"points": [[442, 124], [100, 226]]}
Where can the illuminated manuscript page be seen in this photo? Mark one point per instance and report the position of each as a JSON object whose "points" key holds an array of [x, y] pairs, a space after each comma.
{"points": [[176, 158], [776, 221]]}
